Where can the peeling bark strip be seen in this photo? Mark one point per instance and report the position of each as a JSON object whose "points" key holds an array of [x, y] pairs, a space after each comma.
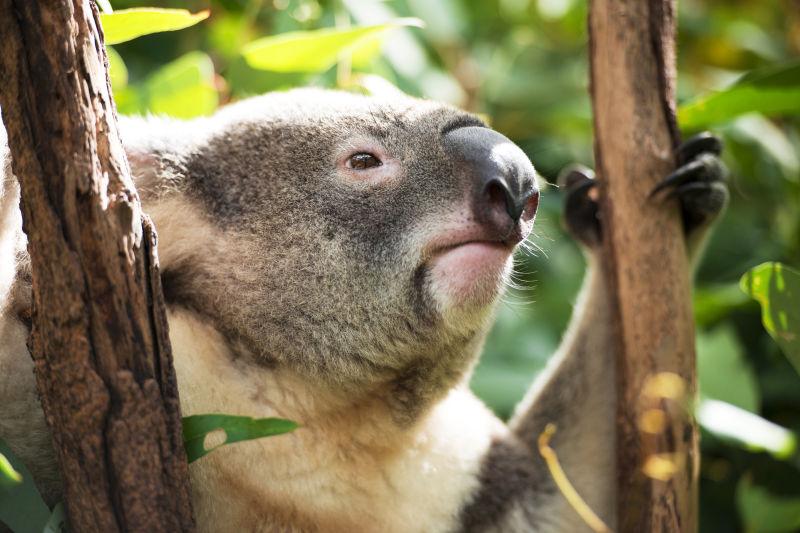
{"points": [[99, 338], [632, 80]]}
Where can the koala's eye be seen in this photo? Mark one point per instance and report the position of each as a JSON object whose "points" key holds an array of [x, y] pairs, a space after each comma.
{"points": [[363, 161]]}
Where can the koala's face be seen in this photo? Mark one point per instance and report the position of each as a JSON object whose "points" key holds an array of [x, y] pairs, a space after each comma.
{"points": [[373, 233]]}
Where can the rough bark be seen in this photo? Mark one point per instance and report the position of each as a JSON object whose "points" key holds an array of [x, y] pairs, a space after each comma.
{"points": [[632, 85], [99, 339]]}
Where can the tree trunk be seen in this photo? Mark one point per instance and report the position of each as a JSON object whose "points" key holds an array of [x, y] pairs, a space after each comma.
{"points": [[99, 339], [632, 84]]}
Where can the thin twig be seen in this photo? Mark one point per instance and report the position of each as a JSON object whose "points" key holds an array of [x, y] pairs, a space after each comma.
{"points": [[563, 484]]}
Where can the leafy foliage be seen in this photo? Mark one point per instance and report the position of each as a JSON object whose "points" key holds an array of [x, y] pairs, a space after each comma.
{"points": [[764, 512], [771, 90], [183, 88], [318, 50], [723, 371], [745, 429], [777, 289], [9, 477], [198, 428], [21, 506], [127, 24], [24, 511]]}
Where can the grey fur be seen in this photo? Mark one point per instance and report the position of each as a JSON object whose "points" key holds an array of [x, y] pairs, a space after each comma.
{"points": [[261, 176]]}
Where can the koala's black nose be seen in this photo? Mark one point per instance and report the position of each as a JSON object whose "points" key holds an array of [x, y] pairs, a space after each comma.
{"points": [[503, 180]]}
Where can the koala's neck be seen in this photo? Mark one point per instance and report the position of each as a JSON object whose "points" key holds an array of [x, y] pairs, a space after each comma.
{"points": [[212, 378], [345, 450]]}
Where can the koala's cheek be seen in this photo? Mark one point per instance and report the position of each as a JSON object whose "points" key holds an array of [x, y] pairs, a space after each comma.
{"points": [[470, 275]]}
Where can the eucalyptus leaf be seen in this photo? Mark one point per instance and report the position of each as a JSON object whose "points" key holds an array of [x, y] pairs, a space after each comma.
{"points": [[9, 477], [723, 373], [748, 430], [236, 429], [773, 90], [117, 71], [183, 88], [772, 76], [777, 288], [105, 6], [21, 507], [126, 24], [318, 50], [714, 302]]}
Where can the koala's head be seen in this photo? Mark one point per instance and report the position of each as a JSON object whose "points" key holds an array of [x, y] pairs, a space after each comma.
{"points": [[348, 236]]}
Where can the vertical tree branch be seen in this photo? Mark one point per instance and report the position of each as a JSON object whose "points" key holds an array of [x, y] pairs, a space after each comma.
{"points": [[99, 339], [632, 81]]}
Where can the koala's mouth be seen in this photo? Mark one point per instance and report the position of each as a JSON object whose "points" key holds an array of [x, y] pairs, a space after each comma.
{"points": [[474, 234], [467, 269], [474, 247]]}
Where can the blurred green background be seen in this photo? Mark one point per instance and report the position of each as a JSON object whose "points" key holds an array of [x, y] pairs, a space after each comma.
{"points": [[522, 65]]}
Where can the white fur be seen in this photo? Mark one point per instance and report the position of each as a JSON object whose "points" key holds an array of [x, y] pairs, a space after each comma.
{"points": [[10, 221], [392, 479]]}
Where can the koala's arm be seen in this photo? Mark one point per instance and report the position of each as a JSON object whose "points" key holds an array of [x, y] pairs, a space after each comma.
{"points": [[577, 391]]}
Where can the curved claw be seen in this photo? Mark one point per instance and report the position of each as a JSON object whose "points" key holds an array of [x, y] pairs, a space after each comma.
{"points": [[705, 167], [574, 176], [684, 174], [705, 142]]}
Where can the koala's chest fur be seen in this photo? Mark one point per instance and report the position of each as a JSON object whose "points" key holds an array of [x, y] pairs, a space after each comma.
{"points": [[347, 468]]}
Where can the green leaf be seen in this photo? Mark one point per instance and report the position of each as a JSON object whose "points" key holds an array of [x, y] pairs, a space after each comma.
{"points": [[368, 48], [750, 431], [722, 371], [763, 512], [771, 138], [772, 90], [9, 477], [183, 88], [236, 428], [127, 24], [714, 302], [21, 507], [781, 75], [58, 520], [318, 50], [117, 71], [777, 288]]}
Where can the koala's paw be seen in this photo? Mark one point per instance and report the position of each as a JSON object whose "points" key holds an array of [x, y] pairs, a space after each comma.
{"points": [[699, 183], [581, 211]]}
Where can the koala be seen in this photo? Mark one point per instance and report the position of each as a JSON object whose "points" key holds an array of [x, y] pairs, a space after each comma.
{"points": [[335, 259]]}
